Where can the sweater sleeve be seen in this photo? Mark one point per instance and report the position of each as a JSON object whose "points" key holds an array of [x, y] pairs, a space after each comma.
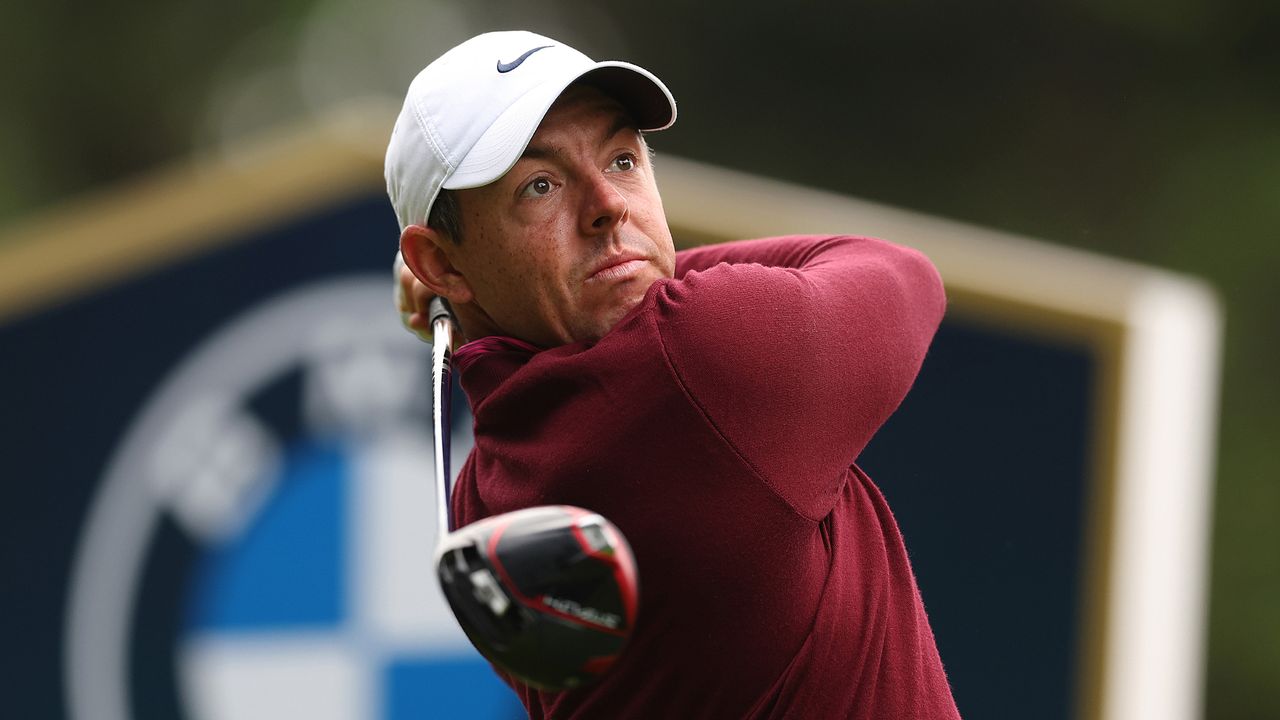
{"points": [[796, 350]]}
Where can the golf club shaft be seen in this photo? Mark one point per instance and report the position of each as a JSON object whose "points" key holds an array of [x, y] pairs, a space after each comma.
{"points": [[442, 392]]}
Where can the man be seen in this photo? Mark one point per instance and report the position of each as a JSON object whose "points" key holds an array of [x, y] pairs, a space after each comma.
{"points": [[711, 402]]}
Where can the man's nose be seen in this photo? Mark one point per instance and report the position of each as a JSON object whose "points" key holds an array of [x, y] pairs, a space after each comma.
{"points": [[604, 206]]}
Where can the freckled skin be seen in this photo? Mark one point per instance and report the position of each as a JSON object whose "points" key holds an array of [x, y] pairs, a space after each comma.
{"points": [[581, 198]]}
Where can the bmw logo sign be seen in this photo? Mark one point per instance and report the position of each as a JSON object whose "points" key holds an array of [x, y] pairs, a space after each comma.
{"points": [[261, 544]]}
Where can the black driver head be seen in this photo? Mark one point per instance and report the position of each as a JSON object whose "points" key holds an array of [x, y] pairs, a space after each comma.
{"points": [[548, 594]]}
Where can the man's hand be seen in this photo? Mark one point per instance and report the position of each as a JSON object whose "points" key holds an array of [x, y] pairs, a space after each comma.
{"points": [[412, 298]]}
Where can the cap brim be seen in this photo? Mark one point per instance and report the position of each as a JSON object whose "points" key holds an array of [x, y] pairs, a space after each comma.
{"points": [[497, 150], [640, 92]]}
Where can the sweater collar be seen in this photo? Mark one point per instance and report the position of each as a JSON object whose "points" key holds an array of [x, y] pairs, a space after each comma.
{"points": [[485, 363]]}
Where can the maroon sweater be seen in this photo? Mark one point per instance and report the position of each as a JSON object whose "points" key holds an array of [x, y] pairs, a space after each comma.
{"points": [[717, 426]]}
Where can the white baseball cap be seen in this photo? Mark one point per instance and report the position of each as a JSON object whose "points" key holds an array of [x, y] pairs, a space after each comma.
{"points": [[469, 115]]}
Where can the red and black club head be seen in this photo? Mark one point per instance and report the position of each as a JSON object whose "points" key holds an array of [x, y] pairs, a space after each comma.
{"points": [[547, 593]]}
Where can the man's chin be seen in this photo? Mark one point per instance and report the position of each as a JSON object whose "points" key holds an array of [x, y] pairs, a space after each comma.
{"points": [[628, 305], [622, 299], [607, 318]]}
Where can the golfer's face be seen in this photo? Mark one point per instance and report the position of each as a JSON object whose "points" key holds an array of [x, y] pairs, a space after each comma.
{"points": [[567, 242]]}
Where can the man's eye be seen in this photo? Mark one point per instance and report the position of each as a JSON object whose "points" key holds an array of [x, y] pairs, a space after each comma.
{"points": [[537, 188], [624, 163]]}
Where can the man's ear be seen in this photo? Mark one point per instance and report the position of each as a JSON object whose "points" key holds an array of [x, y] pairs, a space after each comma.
{"points": [[423, 249]]}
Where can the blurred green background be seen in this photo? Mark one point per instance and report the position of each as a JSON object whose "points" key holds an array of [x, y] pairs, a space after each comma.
{"points": [[1141, 129]]}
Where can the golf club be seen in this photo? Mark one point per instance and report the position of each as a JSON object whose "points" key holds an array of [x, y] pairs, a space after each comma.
{"points": [[550, 593]]}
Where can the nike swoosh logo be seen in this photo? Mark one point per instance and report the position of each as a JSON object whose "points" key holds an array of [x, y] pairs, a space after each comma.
{"points": [[508, 67]]}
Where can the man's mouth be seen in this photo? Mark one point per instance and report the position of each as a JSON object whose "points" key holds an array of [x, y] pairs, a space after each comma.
{"points": [[617, 269]]}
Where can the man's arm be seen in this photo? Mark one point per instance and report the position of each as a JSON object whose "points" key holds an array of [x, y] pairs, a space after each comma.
{"points": [[798, 349], [786, 252]]}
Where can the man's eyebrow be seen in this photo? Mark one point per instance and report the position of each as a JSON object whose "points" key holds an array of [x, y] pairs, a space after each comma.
{"points": [[620, 123], [537, 152]]}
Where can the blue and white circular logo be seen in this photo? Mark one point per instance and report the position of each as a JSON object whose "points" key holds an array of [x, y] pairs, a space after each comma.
{"points": [[261, 545]]}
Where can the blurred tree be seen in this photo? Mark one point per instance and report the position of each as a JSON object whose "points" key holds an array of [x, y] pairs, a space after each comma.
{"points": [[98, 91]]}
